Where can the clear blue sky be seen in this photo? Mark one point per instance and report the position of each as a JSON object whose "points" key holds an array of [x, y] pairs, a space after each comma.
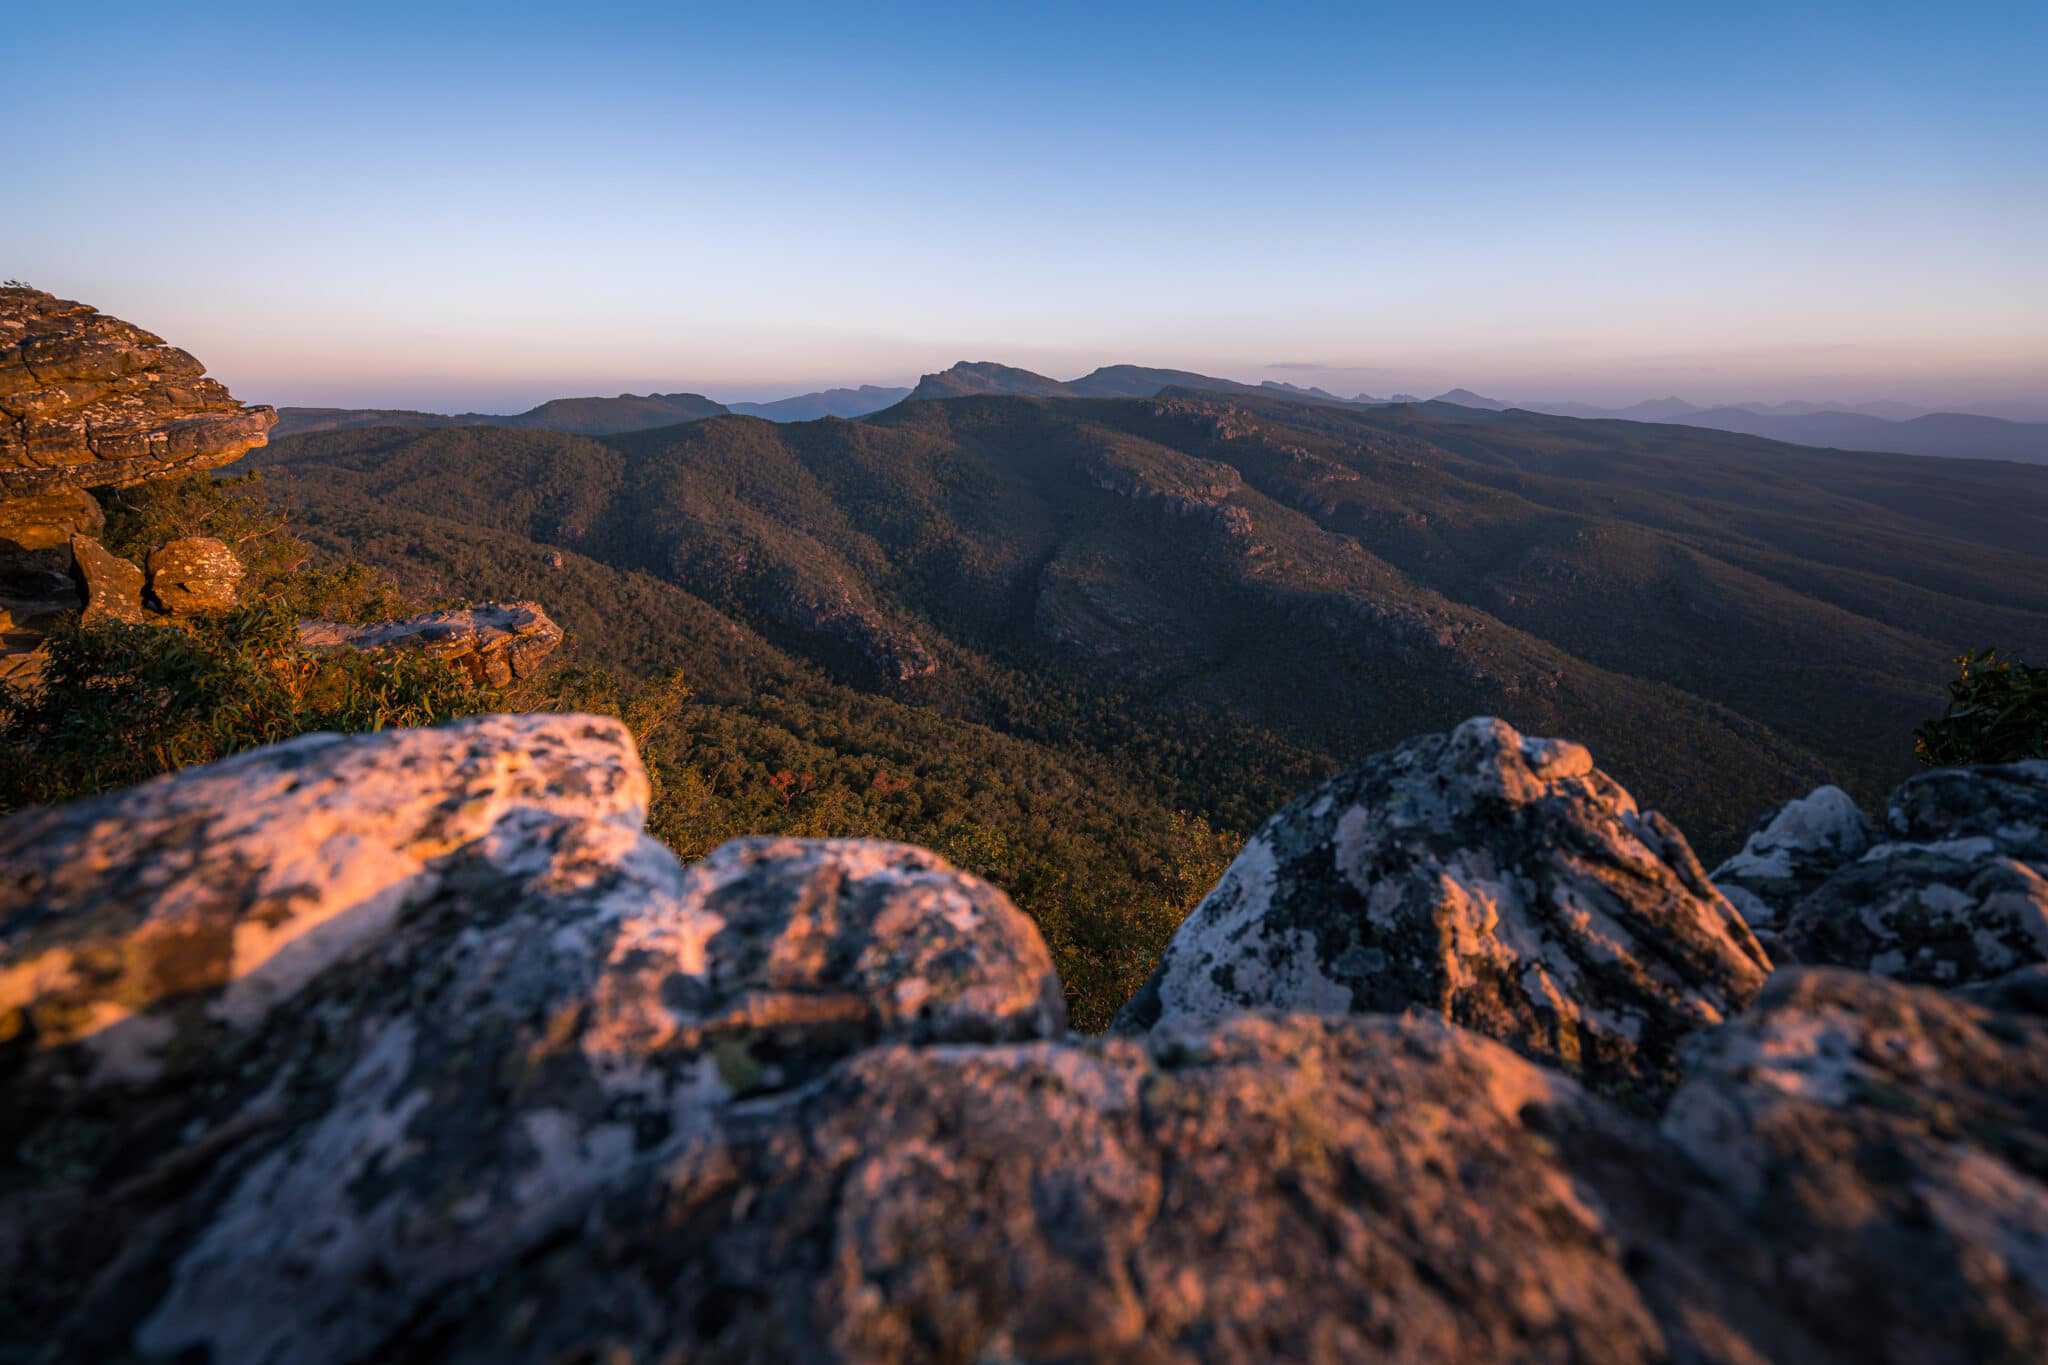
{"points": [[458, 206]]}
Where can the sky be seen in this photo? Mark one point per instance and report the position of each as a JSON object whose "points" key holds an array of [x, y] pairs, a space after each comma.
{"points": [[481, 206]]}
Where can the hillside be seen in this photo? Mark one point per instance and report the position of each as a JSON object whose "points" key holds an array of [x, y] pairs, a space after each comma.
{"points": [[1329, 577]]}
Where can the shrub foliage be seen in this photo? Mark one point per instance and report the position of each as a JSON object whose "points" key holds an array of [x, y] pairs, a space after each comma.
{"points": [[1997, 713], [122, 703]]}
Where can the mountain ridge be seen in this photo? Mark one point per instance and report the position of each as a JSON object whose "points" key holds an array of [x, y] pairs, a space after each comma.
{"points": [[1272, 562]]}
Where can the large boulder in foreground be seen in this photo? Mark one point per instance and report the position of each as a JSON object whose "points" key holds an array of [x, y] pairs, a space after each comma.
{"points": [[414, 1046], [1302, 1188], [92, 400], [323, 1028], [496, 643], [1500, 881], [1887, 1148]]}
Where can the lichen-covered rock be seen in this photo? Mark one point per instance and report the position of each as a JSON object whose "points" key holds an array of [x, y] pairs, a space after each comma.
{"points": [[1502, 882], [1316, 1189], [45, 521], [496, 643], [194, 574], [1887, 1146], [1790, 852], [414, 1046], [483, 995], [2006, 804], [1925, 913], [92, 400], [1958, 893], [109, 587]]}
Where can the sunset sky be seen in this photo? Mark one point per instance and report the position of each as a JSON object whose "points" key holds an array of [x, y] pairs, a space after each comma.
{"points": [[482, 206]]}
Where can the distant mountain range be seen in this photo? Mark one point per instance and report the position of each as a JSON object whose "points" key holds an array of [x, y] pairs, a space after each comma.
{"points": [[1895, 428], [808, 407], [580, 416]]}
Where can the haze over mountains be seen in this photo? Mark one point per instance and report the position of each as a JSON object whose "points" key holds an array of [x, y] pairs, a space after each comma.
{"points": [[1893, 427]]}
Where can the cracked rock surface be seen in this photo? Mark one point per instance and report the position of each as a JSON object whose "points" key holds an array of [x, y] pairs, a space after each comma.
{"points": [[1498, 880], [88, 400], [1951, 891], [414, 1046], [496, 643]]}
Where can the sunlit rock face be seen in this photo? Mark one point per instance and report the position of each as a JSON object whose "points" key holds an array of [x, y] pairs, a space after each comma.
{"points": [[415, 998], [1498, 880], [415, 1046], [493, 643], [86, 401], [92, 400]]}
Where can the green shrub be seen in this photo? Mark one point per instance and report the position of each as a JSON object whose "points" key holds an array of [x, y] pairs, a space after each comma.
{"points": [[1997, 713], [278, 565], [121, 703]]}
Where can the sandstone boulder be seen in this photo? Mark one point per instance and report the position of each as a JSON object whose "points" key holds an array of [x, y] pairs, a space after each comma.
{"points": [[35, 543], [1276, 1189], [194, 574], [2006, 804], [1925, 913], [496, 643], [1500, 881], [109, 587], [92, 400], [1790, 852]]}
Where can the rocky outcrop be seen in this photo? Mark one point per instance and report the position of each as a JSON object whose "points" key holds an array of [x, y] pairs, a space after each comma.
{"points": [[409, 1002], [88, 400], [1921, 912], [194, 574], [496, 643], [1952, 891], [2005, 805], [415, 1046], [1790, 852], [1500, 881], [109, 587], [36, 531]]}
